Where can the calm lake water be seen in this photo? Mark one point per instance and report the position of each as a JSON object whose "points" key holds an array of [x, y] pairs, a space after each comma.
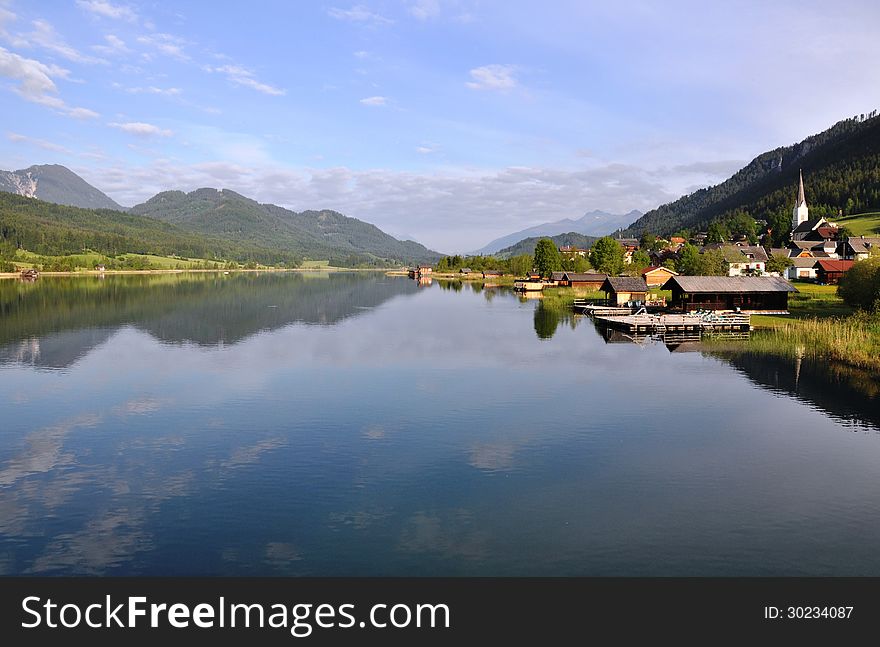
{"points": [[359, 424]]}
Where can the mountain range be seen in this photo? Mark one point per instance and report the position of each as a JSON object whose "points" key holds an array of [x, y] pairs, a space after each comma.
{"points": [[594, 223], [205, 221], [312, 234]]}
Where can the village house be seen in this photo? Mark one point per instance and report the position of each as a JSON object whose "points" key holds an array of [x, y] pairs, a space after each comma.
{"points": [[801, 268], [571, 250], [857, 248], [492, 274], [623, 290], [829, 271], [656, 276], [582, 280], [813, 249], [660, 257], [748, 294], [745, 260], [781, 252], [466, 271], [420, 271], [629, 245]]}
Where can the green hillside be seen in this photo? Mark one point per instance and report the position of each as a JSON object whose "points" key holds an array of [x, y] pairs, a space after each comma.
{"points": [[841, 168], [52, 229], [527, 245], [311, 234], [863, 224]]}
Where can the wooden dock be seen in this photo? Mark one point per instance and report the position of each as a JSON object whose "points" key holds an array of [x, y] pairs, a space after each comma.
{"points": [[603, 311], [666, 323], [584, 307]]}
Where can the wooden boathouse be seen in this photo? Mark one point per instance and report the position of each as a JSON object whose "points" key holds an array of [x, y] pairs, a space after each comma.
{"points": [[747, 294], [623, 290], [582, 280]]}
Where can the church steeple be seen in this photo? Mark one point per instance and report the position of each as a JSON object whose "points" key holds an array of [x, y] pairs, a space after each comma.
{"points": [[802, 199], [800, 213]]}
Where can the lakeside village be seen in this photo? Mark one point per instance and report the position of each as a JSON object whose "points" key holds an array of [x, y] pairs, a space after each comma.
{"points": [[652, 285]]}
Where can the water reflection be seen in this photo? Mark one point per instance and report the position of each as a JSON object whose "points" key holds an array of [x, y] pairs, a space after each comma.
{"points": [[846, 393], [56, 321], [453, 432]]}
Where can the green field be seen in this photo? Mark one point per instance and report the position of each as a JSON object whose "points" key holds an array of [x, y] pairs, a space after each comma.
{"points": [[863, 224], [809, 302]]}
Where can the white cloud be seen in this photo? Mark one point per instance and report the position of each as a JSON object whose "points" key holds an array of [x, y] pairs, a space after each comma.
{"points": [[166, 44], [244, 77], [39, 143], [81, 113], [447, 211], [35, 83], [45, 36], [424, 150], [6, 17], [359, 13], [108, 9], [374, 101], [362, 53], [141, 129], [493, 77], [165, 92], [425, 9], [115, 45]]}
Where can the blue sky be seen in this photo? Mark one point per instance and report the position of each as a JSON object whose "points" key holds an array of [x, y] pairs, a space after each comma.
{"points": [[448, 121]]}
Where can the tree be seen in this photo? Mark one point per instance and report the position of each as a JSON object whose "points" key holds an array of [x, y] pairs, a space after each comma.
{"points": [[860, 286], [520, 265], [575, 263], [779, 227], [650, 242], [688, 260], [606, 255], [778, 264], [547, 259], [717, 233], [713, 263], [640, 259]]}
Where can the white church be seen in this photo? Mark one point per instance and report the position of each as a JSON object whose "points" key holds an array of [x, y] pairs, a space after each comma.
{"points": [[802, 227]]}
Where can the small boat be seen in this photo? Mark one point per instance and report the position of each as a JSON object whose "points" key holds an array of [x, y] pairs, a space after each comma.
{"points": [[30, 275]]}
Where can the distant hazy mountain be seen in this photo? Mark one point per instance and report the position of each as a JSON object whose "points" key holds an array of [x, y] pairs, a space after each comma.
{"points": [[527, 245], [55, 183], [311, 234], [595, 223]]}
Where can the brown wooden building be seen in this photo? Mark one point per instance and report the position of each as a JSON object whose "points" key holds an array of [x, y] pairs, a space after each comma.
{"points": [[746, 293], [581, 280], [620, 290], [830, 271], [655, 276]]}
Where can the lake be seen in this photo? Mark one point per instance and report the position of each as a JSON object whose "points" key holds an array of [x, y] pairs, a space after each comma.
{"points": [[362, 424]]}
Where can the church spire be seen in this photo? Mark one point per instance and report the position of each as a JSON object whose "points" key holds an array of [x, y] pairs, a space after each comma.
{"points": [[802, 199], [800, 213]]}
